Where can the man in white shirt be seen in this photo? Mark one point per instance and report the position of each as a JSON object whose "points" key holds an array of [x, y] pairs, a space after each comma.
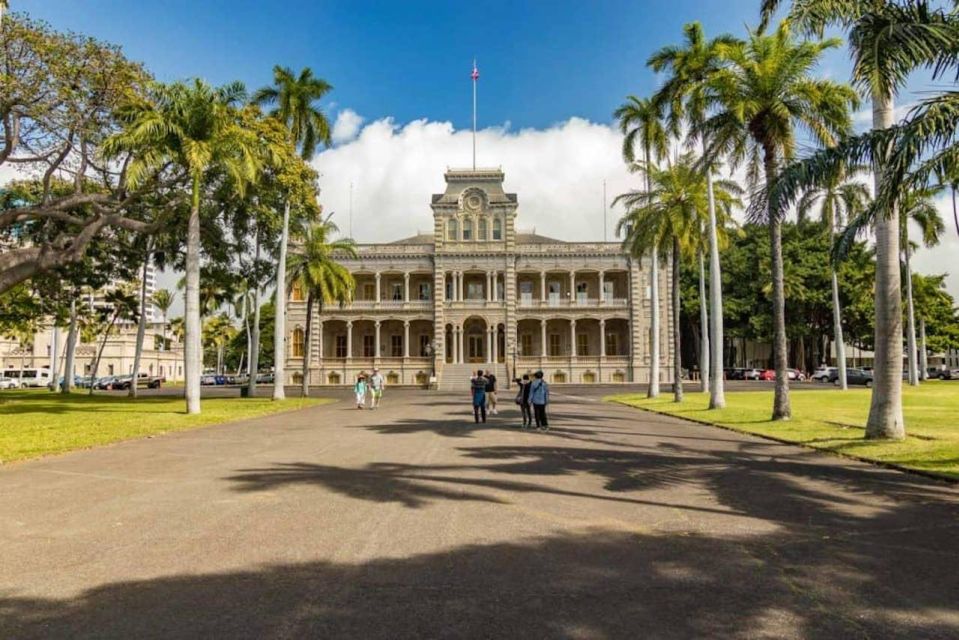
{"points": [[377, 383]]}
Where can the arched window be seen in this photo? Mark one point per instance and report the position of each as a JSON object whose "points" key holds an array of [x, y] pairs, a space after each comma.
{"points": [[296, 292], [467, 229], [298, 343], [481, 230], [497, 229], [452, 230]]}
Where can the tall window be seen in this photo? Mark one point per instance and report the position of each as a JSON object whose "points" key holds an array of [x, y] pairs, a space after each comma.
{"points": [[298, 343], [424, 291], [526, 344], [612, 344], [296, 292], [369, 346], [481, 229], [452, 230], [497, 229], [369, 290], [341, 346], [582, 344], [467, 229], [424, 344], [396, 346], [396, 291], [555, 344]]}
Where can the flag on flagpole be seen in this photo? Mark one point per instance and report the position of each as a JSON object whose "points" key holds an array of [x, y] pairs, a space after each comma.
{"points": [[475, 74]]}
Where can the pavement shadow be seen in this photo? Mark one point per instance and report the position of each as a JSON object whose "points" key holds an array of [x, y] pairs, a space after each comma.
{"points": [[593, 584]]}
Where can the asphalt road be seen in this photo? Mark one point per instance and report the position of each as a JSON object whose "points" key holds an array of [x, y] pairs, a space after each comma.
{"points": [[410, 522]]}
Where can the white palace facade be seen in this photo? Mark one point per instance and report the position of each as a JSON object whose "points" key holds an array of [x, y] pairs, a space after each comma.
{"points": [[476, 293]]}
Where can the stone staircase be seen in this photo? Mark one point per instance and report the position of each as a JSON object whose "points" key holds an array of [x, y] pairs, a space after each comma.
{"points": [[456, 377]]}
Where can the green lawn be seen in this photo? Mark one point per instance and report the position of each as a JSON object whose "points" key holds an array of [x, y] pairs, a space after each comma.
{"points": [[834, 420], [36, 422]]}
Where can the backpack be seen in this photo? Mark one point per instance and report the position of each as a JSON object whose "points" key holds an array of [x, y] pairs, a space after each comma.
{"points": [[519, 395]]}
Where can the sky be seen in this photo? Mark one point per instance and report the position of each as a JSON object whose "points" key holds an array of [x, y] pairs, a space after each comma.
{"points": [[551, 74]]}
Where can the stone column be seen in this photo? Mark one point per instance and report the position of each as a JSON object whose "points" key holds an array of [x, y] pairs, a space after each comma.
{"points": [[489, 286], [602, 339], [462, 351], [376, 340], [319, 341], [406, 287], [349, 339], [542, 287], [572, 339], [406, 338], [489, 344], [572, 287], [495, 352], [377, 277], [602, 276], [542, 352]]}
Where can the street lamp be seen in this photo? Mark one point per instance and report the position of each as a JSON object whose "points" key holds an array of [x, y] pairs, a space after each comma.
{"points": [[514, 349], [431, 351]]}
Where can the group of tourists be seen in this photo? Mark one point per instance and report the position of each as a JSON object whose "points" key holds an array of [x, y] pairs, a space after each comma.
{"points": [[532, 396], [369, 388]]}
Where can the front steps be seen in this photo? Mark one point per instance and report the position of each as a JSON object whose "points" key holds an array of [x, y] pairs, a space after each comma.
{"points": [[456, 377]]}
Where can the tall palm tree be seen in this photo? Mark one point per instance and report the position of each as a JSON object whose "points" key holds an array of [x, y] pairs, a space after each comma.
{"points": [[641, 122], [315, 267], [141, 324], [670, 216], [839, 200], [762, 96], [887, 41], [162, 300], [296, 104], [686, 92], [196, 127], [917, 206]]}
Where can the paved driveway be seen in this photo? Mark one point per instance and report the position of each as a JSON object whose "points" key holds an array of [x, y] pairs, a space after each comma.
{"points": [[409, 522]]}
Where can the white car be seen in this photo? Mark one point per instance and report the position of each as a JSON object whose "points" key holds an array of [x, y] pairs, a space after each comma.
{"points": [[824, 374], [9, 383]]}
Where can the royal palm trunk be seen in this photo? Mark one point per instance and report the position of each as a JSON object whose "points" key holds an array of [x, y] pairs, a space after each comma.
{"points": [[717, 386], [141, 329], [923, 356], [306, 345], [71, 349], [192, 350], [677, 334], [885, 409], [279, 337], [703, 328], [254, 334], [837, 331], [910, 317], [781, 408], [652, 391]]}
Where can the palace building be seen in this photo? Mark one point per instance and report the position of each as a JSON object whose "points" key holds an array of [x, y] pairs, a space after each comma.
{"points": [[477, 293]]}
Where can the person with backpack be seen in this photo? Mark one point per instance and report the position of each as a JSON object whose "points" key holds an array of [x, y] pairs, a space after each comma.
{"points": [[478, 390], [491, 392], [539, 398], [522, 399]]}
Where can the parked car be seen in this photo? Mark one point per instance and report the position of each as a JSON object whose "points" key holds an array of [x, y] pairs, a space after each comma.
{"points": [[83, 382], [943, 373], [822, 374], [106, 382], [267, 378], [9, 383], [752, 374], [854, 376], [144, 380], [791, 374], [208, 380]]}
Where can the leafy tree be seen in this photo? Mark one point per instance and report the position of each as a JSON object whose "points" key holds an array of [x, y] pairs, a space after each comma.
{"points": [[296, 98], [316, 269], [762, 96], [218, 331], [640, 121], [122, 304], [887, 40], [197, 128], [686, 92]]}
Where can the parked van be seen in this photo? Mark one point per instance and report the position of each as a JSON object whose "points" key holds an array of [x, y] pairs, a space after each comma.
{"points": [[31, 377]]}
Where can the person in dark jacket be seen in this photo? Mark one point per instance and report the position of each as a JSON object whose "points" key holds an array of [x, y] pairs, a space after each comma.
{"points": [[491, 392], [539, 398], [522, 399], [478, 391]]}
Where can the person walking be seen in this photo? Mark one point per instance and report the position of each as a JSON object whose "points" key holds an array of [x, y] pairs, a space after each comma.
{"points": [[377, 384], [539, 398], [360, 390], [478, 389], [491, 392], [522, 399]]}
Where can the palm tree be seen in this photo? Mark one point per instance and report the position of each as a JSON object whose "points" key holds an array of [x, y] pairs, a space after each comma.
{"points": [[296, 99], [162, 299], [917, 206], [763, 95], [123, 306], [641, 122], [218, 331], [315, 267], [141, 324], [686, 92], [887, 41], [839, 201], [670, 215], [196, 127]]}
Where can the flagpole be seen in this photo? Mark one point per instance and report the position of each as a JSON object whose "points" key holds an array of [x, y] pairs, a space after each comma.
{"points": [[475, 77], [604, 211]]}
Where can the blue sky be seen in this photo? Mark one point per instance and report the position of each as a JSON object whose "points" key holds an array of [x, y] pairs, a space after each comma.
{"points": [[540, 62]]}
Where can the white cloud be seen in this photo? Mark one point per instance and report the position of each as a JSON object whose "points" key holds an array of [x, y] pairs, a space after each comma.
{"points": [[557, 174], [346, 126], [943, 258]]}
